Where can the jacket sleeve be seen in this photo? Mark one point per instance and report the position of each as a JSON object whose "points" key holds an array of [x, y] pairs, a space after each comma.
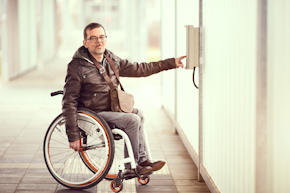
{"points": [[128, 69], [69, 103]]}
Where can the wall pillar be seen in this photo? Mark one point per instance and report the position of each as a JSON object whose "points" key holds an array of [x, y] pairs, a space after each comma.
{"points": [[48, 30], [9, 39]]}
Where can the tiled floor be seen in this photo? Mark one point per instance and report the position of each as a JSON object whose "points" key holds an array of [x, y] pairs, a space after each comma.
{"points": [[26, 110]]}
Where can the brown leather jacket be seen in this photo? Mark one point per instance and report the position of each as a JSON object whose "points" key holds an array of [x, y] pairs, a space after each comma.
{"points": [[86, 87]]}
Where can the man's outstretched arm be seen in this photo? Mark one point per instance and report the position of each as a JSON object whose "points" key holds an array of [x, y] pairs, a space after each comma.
{"points": [[128, 69]]}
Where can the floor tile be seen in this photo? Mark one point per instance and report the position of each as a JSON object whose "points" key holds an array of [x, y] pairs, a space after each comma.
{"points": [[63, 189], [160, 177], [179, 161], [38, 187], [12, 170], [163, 182], [14, 165], [33, 191], [38, 180], [187, 182], [182, 166], [192, 189], [149, 188], [184, 176], [8, 186], [10, 179]]}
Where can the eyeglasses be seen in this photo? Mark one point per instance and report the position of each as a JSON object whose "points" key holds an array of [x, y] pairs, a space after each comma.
{"points": [[94, 39]]}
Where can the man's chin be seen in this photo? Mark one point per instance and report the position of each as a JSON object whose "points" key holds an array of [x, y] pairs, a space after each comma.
{"points": [[99, 52]]}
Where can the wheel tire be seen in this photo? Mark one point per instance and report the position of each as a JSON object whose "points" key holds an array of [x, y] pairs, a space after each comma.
{"points": [[116, 189], [67, 166], [144, 181]]}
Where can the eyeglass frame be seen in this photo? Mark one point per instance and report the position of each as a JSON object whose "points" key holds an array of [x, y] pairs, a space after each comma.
{"points": [[97, 38]]}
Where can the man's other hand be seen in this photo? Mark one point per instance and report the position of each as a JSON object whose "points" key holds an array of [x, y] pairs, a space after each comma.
{"points": [[75, 145], [178, 62]]}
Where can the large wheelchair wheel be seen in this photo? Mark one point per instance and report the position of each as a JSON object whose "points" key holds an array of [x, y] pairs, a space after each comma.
{"points": [[98, 150]]}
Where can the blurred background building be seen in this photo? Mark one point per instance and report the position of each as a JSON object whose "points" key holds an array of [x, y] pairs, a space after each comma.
{"points": [[236, 125], [34, 32]]}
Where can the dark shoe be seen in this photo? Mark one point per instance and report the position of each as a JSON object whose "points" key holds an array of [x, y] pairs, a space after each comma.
{"points": [[141, 171], [154, 165], [129, 173]]}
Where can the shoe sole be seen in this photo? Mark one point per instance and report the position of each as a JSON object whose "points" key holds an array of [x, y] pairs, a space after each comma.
{"points": [[146, 171], [158, 166]]}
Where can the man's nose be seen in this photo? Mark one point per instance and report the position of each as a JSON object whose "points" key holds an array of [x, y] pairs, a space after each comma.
{"points": [[98, 40]]}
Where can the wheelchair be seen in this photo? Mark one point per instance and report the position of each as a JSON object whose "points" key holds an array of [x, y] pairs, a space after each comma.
{"points": [[101, 155]]}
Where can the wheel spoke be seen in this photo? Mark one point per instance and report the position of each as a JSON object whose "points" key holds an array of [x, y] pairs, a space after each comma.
{"points": [[59, 142]]}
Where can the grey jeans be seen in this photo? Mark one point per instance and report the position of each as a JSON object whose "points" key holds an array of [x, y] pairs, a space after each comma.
{"points": [[132, 125]]}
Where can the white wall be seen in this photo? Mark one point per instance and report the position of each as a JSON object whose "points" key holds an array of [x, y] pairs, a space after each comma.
{"points": [[48, 31], [27, 35], [168, 51], [19, 46], [278, 81], [229, 76], [9, 40], [187, 94], [180, 99]]}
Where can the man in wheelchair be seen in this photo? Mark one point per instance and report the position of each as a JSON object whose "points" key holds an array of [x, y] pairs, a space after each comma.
{"points": [[86, 87]]}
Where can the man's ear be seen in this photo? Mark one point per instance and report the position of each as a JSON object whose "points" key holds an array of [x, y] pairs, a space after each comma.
{"points": [[85, 43]]}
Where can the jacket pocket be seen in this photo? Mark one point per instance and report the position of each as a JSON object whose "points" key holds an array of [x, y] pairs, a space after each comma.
{"points": [[100, 101], [93, 77]]}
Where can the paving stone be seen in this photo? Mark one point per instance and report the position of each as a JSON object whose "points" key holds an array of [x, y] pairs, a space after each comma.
{"points": [[173, 153], [179, 161], [14, 165], [152, 188], [194, 192], [10, 179], [163, 182], [161, 177], [185, 156], [10, 187], [63, 189], [37, 179], [12, 170], [39, 187], [182, 166], [187, 182], [192, 189], [183, 176], [38, 171], [14, 159], [8, 191], [34, 191]]}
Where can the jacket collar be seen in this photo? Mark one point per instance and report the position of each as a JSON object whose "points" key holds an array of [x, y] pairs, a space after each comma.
{"points": [[82, 53]]}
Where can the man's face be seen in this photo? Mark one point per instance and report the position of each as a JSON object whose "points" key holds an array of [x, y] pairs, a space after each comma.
{"points": [[97, 47]]}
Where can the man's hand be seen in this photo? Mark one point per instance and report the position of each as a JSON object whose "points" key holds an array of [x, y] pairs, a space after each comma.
{"points": [[178, 62], [75, 145]]}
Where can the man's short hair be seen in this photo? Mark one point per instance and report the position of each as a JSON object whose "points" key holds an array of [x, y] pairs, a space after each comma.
{"points": [[92, 26]]}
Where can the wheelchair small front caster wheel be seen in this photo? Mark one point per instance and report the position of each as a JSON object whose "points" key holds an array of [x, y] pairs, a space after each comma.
{"points": [[144, 180], [116, 188]]}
